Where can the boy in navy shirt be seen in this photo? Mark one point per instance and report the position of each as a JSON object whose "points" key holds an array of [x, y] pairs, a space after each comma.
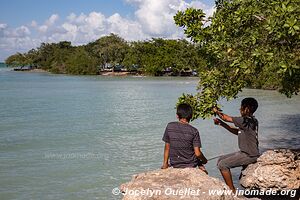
{"points": [[182, 142]]}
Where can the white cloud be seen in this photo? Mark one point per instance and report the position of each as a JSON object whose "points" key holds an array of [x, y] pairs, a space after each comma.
{"points": [[83, 28], [3, 30], [209, 10], [33, 23], [52, 19], [43, 28], [95, 20], [48, 24], [128, 29], [21, 31], [156, 16], [152, 18]]}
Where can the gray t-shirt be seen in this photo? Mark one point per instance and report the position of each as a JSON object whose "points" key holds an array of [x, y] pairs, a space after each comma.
{"points": [[248, 134], [182, 138]]}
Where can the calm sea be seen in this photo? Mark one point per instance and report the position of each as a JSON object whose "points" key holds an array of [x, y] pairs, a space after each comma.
{"points": [[78, 137]]}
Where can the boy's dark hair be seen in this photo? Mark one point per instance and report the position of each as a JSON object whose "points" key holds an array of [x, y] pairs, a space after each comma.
{"points": [[184, 111], [250, 103]]}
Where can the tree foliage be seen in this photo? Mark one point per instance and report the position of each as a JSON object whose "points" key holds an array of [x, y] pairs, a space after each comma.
{"points": [[16, 59], [149, 57], [109, 49], [156, 55], [248, 43], [80, 62]]}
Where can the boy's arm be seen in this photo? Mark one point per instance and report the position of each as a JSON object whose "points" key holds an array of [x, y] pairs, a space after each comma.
{"points": [[166, 156], [226, 126], [223, 116], [200, 155]]}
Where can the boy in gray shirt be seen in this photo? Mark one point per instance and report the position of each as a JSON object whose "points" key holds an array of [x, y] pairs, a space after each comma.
{"points": [[182, 142], [247, 131]]}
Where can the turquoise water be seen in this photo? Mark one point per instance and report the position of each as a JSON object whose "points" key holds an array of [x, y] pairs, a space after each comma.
{"points": [[78, 137]]}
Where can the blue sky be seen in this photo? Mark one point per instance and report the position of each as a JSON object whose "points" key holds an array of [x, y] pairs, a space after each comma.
{"points": [[18, 12], [24, 24]]}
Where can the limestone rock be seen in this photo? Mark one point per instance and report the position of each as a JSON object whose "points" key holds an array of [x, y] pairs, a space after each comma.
{"points": [[189, 183], [275, 169]]}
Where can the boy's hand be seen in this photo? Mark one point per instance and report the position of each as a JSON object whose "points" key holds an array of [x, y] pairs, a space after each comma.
{"points": [[203, 169], [217, 121], [215, 109], [164, 166], [204, 161]]}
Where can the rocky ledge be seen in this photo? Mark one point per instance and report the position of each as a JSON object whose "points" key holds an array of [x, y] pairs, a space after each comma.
{"points": [[189, 183], [274, 169]]}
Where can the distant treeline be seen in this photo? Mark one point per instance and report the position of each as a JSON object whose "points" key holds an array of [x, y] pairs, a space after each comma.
{"points": [[150, 57]]}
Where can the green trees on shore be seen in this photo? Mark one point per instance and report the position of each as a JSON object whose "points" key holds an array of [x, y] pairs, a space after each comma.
{"points": [[150, 57], [248, 43], [156, 55]]}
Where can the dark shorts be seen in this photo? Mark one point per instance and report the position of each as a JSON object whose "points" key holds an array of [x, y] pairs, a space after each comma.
{"points": [[236, 159], [197, 163]]}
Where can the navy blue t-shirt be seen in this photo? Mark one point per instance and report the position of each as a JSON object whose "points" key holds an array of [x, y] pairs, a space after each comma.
{"points": [[182, 139]]}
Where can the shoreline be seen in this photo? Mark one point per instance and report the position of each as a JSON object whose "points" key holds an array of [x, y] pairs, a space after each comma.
{"points": [[37, 71], [31, 70], [105, 74], [119, 74]]}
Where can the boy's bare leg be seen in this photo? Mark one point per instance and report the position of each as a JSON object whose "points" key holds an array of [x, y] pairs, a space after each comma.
{"points": [[228, 179]]}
